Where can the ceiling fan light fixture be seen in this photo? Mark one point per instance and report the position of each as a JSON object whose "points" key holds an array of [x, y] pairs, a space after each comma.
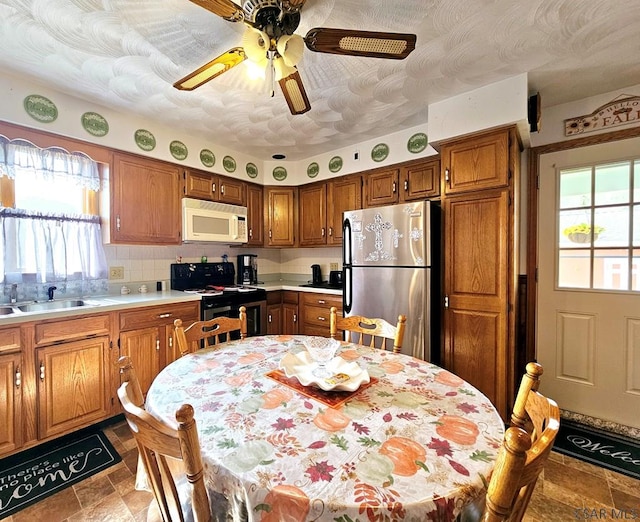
{"points": [[256, 44], [291, 47], [281, 69]]}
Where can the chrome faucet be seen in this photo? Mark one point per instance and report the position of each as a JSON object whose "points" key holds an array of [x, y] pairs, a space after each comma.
{"points": [[13, 294], [50, 291]]}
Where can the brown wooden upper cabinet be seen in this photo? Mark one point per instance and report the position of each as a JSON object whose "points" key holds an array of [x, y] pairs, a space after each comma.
{"points": [[321, 206], [420, 180], [206, 185], [407, 182], [145, 201], [255, 214], [280, 215], [477, 163]]}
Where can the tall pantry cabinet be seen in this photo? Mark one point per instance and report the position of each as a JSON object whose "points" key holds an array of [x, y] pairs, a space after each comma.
{"points": [[480, 178]]}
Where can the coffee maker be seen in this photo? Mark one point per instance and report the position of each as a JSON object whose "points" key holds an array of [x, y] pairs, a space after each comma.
{"points": [[247, 269]]}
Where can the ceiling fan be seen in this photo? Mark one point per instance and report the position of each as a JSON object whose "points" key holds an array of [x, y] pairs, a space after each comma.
{"points": [[270, 42]]}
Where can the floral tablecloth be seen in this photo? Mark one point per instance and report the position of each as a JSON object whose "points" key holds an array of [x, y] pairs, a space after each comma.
{"points": [[419, 444]]}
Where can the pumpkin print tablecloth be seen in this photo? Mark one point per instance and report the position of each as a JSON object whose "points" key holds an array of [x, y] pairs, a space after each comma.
{"points": [[419, 444]]}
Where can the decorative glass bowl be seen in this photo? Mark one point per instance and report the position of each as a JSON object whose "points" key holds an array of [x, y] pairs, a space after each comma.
{"points": [[321, 350]]}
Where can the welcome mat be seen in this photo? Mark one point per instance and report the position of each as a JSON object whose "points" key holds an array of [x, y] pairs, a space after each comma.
{"points": [[34, 474], [599, 447]]}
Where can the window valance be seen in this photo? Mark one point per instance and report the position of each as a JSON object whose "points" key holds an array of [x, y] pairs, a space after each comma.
{"points": [[18, 154]]}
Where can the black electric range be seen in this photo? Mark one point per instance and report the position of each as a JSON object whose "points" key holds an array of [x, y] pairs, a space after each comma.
{"points": [[215, 282]]}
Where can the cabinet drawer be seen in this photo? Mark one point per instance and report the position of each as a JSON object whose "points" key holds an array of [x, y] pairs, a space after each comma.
{"points": [[56, 331], [316, 315], [159, 315], [324, 300], [10, 340]]}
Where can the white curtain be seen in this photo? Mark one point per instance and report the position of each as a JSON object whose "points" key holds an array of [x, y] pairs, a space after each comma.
{"points": [[38, 247]]}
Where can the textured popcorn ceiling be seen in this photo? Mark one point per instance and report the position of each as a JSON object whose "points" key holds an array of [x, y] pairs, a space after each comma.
{"points": [[126, 54]]}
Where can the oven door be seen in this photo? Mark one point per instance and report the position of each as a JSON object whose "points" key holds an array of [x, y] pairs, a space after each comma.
{"points": [[256, 315]]}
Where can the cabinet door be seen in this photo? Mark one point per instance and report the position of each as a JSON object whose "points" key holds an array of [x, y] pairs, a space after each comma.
{"points": [[274, 319], [477, 163], [420, 180], [145, 201], [476, 285], [382, 188], [10, 402], [342, 195], [289, 319], [255, 210], [143, 347], [312, 208], [199, 184], [73, 385], [231, 191], [281, 216]]}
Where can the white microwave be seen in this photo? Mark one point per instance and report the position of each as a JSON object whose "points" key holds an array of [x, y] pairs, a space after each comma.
{"points": [[213, 222]]}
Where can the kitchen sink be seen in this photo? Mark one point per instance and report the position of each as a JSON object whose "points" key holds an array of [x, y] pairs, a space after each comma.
{"points": [[6, 310], [51, 305]]}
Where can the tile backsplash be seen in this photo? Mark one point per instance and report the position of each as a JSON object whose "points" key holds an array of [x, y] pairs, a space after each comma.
{"points": [[150, 264]]}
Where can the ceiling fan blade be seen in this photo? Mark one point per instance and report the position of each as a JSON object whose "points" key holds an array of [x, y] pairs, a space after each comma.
{"points": [[224, 8], [294, 93], [209, 71], [372, 44]]}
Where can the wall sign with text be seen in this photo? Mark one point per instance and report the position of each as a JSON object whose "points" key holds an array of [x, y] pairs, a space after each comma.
{"points": [[623, 110]]}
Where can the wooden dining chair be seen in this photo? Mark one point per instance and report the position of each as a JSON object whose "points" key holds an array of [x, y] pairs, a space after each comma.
{"points": [[157, 444], [376, 333], [212, 332], [525, 450]]}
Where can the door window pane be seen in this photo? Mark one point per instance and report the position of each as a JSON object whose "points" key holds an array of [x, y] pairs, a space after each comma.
{"points": [[598, 226]]}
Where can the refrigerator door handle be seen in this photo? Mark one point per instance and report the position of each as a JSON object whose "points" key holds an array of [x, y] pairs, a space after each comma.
{"points": [[347, 290], [347, 250]]}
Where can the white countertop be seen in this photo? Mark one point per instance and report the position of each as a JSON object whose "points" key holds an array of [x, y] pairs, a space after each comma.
{"points": [[108, 303]]}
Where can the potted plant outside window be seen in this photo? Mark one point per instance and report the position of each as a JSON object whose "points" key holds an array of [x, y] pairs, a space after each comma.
{"points": [[581, 233]]}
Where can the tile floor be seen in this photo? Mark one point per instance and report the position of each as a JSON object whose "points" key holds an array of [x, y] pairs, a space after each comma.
{"points": [[568, 490]]}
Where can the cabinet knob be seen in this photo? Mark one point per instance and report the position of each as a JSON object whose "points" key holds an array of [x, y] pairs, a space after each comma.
{"points": [[18, 377], [330, 231], [117, 222], [250, 233], [295, 318], [41, 371], [320, 318], [323, 232], [394, 187], [446, 175], [213, 188], [222, 189], [164, 316], [321, 301], [269, 318], [157, 345], [171, 341], [406, 185], [270, 234]]}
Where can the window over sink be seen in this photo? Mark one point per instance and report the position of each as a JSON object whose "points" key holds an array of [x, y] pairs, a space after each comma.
{"points": [[49, 218]]}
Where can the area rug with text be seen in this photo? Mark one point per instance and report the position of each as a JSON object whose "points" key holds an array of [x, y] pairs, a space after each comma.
{"points": [[36, 473], [598, 447]]}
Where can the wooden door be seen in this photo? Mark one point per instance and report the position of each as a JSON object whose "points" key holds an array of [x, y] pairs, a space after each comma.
{"points": [[274, 319], [199, 184], [143, 347], [342, 194], [72, 385], [10, 402], [255, 218], [232, 191], [280, 216], [477, 163], [312, 208], [146, 207], [420, 180], [381, 188], [588, 313], [476, 286]]}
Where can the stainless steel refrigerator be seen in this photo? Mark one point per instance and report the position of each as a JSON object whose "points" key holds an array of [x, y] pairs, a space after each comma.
{"points": [[390, 267]]}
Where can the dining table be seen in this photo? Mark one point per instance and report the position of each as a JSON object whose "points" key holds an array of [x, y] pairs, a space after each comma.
{"points": [[415, 442]]}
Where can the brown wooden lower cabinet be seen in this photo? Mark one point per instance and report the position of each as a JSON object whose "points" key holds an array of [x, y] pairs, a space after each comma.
{"points": [[73, 385], [315, 310], [11, 403], [290, 313], [146, 336]]}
